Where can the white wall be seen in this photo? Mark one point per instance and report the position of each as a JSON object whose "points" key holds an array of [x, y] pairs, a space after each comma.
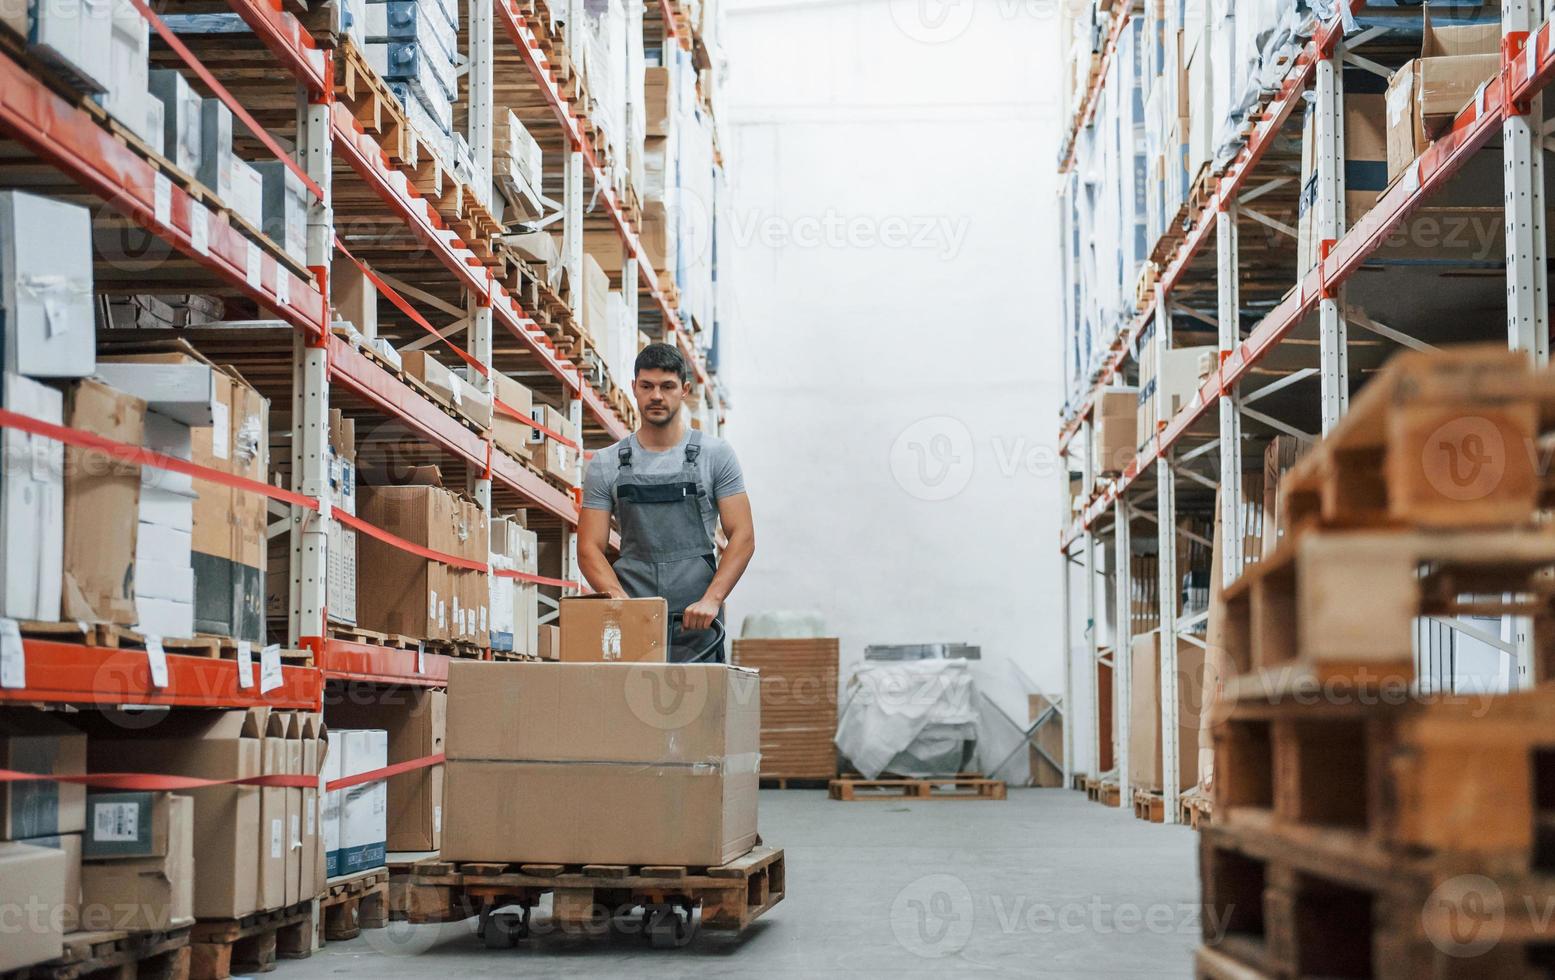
{"points": [[894, 364]]}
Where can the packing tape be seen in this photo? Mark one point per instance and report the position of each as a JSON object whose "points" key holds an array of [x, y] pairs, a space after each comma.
{"points": [[236, 107]]}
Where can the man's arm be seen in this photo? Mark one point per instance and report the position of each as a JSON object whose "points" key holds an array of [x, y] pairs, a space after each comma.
{"points": [[593, 537], [735, 514]]}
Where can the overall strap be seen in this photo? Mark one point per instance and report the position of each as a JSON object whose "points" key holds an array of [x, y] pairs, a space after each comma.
{"points": [[693, 446], [624, 452]]}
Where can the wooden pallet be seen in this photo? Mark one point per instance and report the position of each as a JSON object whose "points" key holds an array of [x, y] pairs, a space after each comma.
{"points": [[730, 896], [357, 634], [1149, 806], [1195, 810], [352, 904], [222, 947], [117, 637], [797, 782], [150, 955], [952, 788], [1108, 793], [1437, 440]]}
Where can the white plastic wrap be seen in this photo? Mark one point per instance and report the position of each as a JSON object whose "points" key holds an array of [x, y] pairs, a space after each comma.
{"points": [[917, 707]]}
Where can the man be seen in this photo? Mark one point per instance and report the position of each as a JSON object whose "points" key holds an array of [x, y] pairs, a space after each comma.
{"points": [[668, 487]]}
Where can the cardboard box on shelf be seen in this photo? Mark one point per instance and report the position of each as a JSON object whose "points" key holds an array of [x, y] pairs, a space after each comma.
{"points": [[1117, 421], [164, 579], [595, 288], [181, 130], [126, 824], [415, 725], [1165, 387], [70, 846], [286, 208], [353, 295], [155, 891], [342, 577], [657, 103], [554, 458], [599, 628], [314, 745], [682, 780], [272, 813], [228, 541], [102, 506], [32, 877], [1145, 757], [37, 742], [364, 807], [329, 809], [1426, 94], [210, 745], [401, 592], [46, 287], [32, 502], [511, 434]]}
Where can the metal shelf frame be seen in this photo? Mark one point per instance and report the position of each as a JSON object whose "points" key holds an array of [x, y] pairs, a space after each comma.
{"points": [[77, 142], [1508, 106]]}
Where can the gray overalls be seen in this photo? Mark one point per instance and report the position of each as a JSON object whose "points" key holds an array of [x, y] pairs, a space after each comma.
{"points": [[665, 548]]}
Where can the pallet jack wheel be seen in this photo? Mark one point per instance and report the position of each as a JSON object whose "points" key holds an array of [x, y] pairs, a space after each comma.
{"points": [[667, 926], [503, 930]]}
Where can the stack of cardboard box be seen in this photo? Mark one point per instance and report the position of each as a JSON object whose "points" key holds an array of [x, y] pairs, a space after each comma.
{"points": [[514, 603], [1425, 95], [405, 593], [400, 726], [355, 818], [1146, 770], [102, 507], [798, 704], [554, 458], [341, 582], [138, 861], [1116, 428]]}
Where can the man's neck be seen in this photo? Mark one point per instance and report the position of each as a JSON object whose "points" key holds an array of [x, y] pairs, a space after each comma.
{"points": [[660, 438]]}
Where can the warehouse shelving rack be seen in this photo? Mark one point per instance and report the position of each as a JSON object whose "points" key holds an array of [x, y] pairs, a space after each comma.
{"points": [[1098, 524], [308, 366]]}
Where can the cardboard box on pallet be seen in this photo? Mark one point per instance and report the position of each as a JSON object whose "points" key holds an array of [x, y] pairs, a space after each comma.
{"points": [[1144, 744], [229, 541], [32, 498], [1426, 94], [358, 813], [272, 813], [598, 628], [415, 725], [209, 745], [554, 458], [37, 742], [511, 434], [32, 877], [537, 746], [1117, 421], [150, 890], [102, 506]]}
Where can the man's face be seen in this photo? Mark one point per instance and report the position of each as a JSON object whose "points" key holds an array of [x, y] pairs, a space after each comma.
{"points": [[659, 394]]}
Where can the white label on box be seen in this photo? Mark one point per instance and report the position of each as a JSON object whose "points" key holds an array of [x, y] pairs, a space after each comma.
{"points": [[610, 642], [253, 271], [221, 430], [270, 668], [275, 837], [437, 819], [115, 821], [311, 824], [296, 825], [431, 604], [245, 664], [199, 231], [283, 286], [13, 656], [158, 659], [442, 614], [162, 199], [421, 657]]}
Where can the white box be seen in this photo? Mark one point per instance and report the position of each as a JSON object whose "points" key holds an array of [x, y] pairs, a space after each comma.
{"points": [[164, 617], [154, 118], [247, 199], [181, 140], [216, 148], [154, 542], [75, 37], [128, 93], [170, 438], [32, 505], [46, 287], [170, 581], [285, 208], [364, 808], [330, 817], [162, 506], [183, 392]]}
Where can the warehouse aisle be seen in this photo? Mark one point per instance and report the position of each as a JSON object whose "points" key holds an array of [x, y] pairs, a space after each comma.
{"points": [[1044, 884]]}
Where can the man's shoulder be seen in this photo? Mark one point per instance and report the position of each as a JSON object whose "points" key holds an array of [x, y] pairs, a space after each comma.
{"points": [[715, 445]]}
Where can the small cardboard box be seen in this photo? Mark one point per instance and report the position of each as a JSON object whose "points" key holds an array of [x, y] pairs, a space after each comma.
{"points": [[598, 628], [364, 807], [1117, 420], [511, 434], [32, 877], [32, 741], [102, 506], [1145, 758], [148, 892], [549, 646], [126, 825], [673, 748]]}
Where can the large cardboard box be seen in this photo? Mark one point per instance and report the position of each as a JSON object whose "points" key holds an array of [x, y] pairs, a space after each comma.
{"points": [[32, 504], [415, 724], [511, 434], [363, 807], [46, 284], [69, 913], [657, 104], [102, 506], [151, 892], [672, 748], [595, 290], [401, 592], [210, 745], [1144, 744], [229, 542], [598, 628], [32, 878], [1167, 382], [1425, 94], [554, 458], [1117, 422], [272, 816], [32, 741]]}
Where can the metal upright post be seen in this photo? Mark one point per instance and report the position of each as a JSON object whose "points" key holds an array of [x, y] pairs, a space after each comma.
{"points": [[1066, 618], [1093, 643], [1333, 341], [1122, 662], [1229, 288], [308, 593], [1527, 257], [482, 55], [481, 337], [1166, 537]]}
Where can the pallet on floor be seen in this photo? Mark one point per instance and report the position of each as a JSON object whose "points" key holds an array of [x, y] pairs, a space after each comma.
{"points": [[1149, 805], [730, 896], [222, 947], [949, 788], [161, 954], [352, 904], [1195, 809], [797, 782]]}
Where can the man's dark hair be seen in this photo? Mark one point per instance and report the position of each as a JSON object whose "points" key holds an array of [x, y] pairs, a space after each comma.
{"points": [[662, 357]]}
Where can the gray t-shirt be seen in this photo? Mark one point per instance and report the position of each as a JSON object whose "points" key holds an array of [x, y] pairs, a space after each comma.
{"points": [[720, 471]]}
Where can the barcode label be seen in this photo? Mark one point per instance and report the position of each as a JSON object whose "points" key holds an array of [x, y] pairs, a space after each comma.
{"points": [[199, 232], [158, 659], [116, 822], [269, 668], [13, 656], [245, 664], [162, 199]]}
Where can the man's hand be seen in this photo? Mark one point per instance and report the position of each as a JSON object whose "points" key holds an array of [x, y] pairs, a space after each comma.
{"points": [[617, 592], [700, 614]]}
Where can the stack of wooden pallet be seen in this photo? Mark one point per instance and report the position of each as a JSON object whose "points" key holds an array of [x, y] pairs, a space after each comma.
{"points": [[1363, 828], [798, 705]]}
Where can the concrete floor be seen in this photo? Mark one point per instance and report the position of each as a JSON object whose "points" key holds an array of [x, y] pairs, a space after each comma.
{"points": [[1044, 884]]}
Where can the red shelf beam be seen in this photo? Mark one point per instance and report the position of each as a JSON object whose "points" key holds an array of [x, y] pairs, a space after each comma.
{"points": [[342, 660], [286, 38], [72, 673]]}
